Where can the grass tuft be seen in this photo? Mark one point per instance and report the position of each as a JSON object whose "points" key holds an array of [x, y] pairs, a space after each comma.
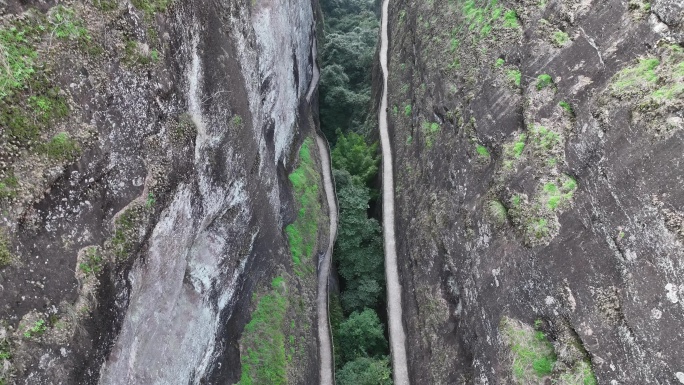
{"points": [[543, 81]]}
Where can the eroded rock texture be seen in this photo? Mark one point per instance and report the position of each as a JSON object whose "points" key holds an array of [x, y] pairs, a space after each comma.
{"points": [[136, 244], [539, 186]]}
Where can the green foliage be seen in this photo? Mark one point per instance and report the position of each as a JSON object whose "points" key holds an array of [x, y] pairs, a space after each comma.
{"points": [[482, 151], [150, 201], [543, 81], [61, 147], [514, 150], [65, 24], [123, 229], [302, 233], [430, 131], [537, 228], [264, 340], [5, 253], [515, 76], [567, 107], [358, 249], [353, 154], [105, 5], [631, 78], [580, 374], [499, 63], [361, 335], [150, 7], [17, 58], [407, 110], [532, 354], [511, 19], [497, 211], [560, 38], [93, 262], [8, 187], [365, 371], [37, 329], [544, 139], [351, 30]]}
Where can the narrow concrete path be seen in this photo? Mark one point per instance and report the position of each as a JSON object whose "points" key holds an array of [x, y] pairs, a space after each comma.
{"points": [[324, 335], [394, 311]]}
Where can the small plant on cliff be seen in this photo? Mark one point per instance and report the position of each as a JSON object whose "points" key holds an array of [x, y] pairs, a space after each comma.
{"points": [[482, 151], [532, 355], [65, 24], [37, 329], [567, 107], [511, 19], [497, 211], [543, 81], [499, 63], [61, 147], [8, 187], [407, 110], [560, 38], [515, 76], [643, 74], [92, 263]]}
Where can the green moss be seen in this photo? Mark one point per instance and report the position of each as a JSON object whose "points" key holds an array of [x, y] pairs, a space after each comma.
{"points": [[407, 110], [302, 233], [499, 63], [37, 329], [537, 228], [264, 340], [543, 81], [514, 76]]}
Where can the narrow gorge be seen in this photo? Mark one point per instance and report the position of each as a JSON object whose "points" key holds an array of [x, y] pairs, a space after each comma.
{"points": [[341, 192]]}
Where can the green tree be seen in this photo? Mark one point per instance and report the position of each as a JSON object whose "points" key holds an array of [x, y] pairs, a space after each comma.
{"points": [[361, 335], [365, 371], [358, 249], [354, 155]]}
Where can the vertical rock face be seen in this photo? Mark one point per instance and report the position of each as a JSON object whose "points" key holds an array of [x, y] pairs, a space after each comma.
{"points": [[538, 186], [188, 119]]}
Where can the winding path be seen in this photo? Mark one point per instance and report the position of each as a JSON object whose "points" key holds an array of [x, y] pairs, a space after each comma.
{"points": [[394, 311], [324, 335]]}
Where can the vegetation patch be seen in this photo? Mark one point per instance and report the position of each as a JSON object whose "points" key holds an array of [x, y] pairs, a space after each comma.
{"points": [[631, 79], [151, 7], [5, 253], [514, 76], [61, 147], [532, 355], [93, 262], [8, 187], [263, 340], [543, 81], [430, 132], [567, 107], [303, 232], [499, 63], [497, 211], [560, 38], [37, 329]]}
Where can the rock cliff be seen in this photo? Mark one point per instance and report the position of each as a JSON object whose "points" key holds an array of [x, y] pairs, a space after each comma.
{"points": [[145, 154], [538, 186]]}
